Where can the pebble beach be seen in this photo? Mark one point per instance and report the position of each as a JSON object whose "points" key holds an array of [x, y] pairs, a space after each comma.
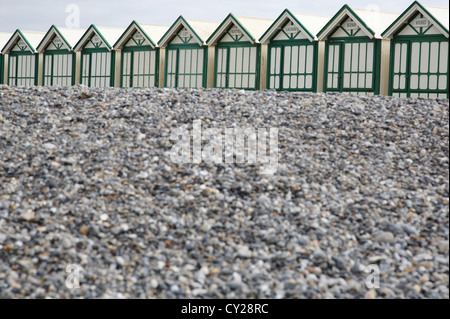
{"points": [[86, 178]]}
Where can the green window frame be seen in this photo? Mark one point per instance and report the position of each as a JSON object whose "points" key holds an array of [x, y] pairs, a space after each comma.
{"points": [[186, 66], [58, 68], [410, 79], [137, 74], [234, 68], [22, 68], [286, 73], [355, 72], [97, 68]]}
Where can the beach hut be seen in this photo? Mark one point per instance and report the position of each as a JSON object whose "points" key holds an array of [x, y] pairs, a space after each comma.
{"points": [[58, 56], [356, 59], [4, 37], [97, 67], [293, 51], [186, 53], [22, 59], [419, 52], [140, 54], [238, 52]]}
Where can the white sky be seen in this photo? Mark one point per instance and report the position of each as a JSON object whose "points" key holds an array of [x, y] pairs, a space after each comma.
{"points": [[39, 15]]}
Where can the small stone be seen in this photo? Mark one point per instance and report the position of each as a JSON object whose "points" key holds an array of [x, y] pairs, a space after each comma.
{"points": [[377, 259], [443, 247], [84, 229], [49, 146], [384, 237], [29, 215], [318, 256], [104, 217], [120, 261], [244, 252]]}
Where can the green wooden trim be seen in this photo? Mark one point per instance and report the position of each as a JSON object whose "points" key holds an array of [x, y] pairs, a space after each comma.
{"points": [[53, 27], [402, 16], [172, 30], [350, 39], [420, 33], [345, 7], [376, 78], [15, 34], [185, 46], [96, 50], [293, 17], [224, 22], [421, 38], [139, 28], [90, 30]]}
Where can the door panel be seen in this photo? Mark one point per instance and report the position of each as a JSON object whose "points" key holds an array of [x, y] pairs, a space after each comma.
{"points": [[333, 76], [400, 75], [420, 69]]}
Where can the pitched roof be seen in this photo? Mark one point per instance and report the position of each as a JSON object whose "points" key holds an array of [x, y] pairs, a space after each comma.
{"points": [[32, 38], [152, 32], [439, 15], [109, 36], [200, 29], [309, 23], [254, 28], [69, 36], [372, 23]]}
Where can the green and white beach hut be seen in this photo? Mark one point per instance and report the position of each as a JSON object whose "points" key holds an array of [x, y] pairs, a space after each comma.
{"points": [[293, 51], [59, 58], [238, 52], [140, 55], [419, 52], [97, 65], [356, 59], [186, 53], [22, 59], [4, 38]]}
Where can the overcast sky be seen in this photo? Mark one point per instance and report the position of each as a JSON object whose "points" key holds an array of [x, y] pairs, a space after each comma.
{"points": [[39, 15]]}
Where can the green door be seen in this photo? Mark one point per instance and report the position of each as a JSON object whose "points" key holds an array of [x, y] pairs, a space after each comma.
{"points": [[139, 67], [352, 66], [96, 66], [58, 68], [333, 75], [221, 80], [237, 66], [185, 67], [400, 69], [292, 66], [22, 69], [420, 67], [275, 67]]}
